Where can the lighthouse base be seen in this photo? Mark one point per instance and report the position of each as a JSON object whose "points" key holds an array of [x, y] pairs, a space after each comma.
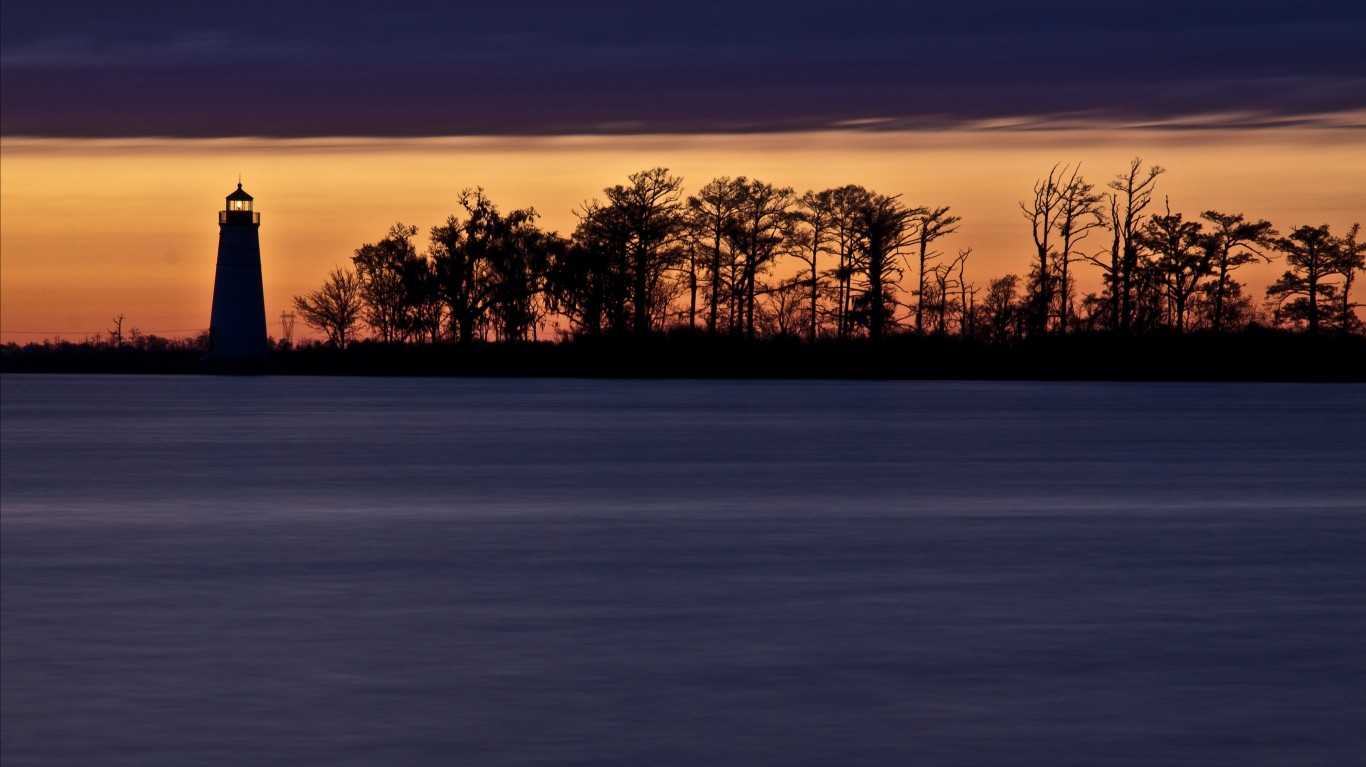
{"points": [[237, 327]]}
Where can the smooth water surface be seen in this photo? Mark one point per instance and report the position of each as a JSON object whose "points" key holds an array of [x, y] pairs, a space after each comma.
{"points": [[224, 571]]}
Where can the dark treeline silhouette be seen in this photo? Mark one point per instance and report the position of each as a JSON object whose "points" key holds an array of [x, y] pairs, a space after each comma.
{"points": [[742, 258], [1252, 354], [745, 278]]}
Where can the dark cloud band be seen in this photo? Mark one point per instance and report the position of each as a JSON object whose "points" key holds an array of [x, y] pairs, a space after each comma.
{"points": [[152, 68]]}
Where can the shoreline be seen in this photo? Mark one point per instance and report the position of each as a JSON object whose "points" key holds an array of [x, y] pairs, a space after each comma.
{"points": [[1253, 355]]}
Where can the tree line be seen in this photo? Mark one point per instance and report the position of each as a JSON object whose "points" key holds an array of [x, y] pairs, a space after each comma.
{"points": [[744, 258]]}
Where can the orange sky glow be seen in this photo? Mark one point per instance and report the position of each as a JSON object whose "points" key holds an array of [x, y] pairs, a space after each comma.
{"points": [[93, 228]]}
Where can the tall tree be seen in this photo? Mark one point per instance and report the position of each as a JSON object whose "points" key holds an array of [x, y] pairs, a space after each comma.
{"points": [[967, 296], [1311, 253], [650, 211], [1182, 258], [335, 308], [517, 274], [1232, 243], [761, 223], [1079, 212], [491, 268], [1043, 212], [459, 250], [384, 270], [929, 224], [883, 225], [711, 217], [848, 204], [811, 234], [586, 281], [1131, 194]]}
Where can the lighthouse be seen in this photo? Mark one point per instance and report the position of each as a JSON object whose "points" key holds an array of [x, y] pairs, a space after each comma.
{"points": [[237, 327]]}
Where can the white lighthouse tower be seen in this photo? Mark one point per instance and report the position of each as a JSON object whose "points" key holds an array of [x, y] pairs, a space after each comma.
{"points": [[237, 327]]}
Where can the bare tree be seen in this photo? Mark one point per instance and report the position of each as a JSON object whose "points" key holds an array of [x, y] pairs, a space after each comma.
{"points": [[784, 309], [1043, 212], [1080, 212], [929, 225], [116, 332], [966, 292], [946, 284], [1132, 192], [335, 308]]}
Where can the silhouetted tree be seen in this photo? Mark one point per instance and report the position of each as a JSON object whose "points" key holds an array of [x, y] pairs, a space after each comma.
{"points": [[335, 308], [883, 230], [1001, 310], [1233, 242], [517, 271], [1131, 195], [492, 268], [761, 221], [848, 204], [967, 297], [1182, 258], [943, 290], [586, 283], [1351, 259], [384, 270], [711, 217], [1043, 211], [1311, 253], [1236, 309], [650, 214], [784, 309], [604, 230], [426, 311], [1079, 212], [461, 251], [1148, 304], [116, 332], [811, 231], [929, 225]]}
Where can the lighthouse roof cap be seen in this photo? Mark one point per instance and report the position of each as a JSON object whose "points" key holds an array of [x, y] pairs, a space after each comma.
{"points": [[239, 194]]}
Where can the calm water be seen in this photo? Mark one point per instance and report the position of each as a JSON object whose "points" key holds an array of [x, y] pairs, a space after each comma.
{"points": [[224, 571]]}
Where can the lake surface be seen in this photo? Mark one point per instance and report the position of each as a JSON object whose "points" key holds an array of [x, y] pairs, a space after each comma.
{"points": [[225, 571]]}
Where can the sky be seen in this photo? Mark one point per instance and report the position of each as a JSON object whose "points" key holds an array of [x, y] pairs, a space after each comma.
{"points": [[248, 68], [123, 125]]}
